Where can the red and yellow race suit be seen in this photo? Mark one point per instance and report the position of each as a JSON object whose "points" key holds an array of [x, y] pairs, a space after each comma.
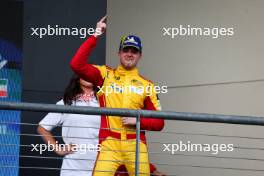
{"points": [[118, 88]]}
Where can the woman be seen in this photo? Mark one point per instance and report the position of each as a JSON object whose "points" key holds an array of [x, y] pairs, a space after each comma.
{"points": [[79, 132]]}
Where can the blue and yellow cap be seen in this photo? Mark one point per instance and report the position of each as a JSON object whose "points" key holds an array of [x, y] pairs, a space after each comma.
{"points": [[132, 41]]}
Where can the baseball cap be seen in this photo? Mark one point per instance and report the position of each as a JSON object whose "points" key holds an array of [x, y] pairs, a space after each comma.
{"points": [[132, 41]]}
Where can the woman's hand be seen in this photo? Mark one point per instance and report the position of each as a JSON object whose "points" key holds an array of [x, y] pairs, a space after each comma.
{"points": [[65, 149]]}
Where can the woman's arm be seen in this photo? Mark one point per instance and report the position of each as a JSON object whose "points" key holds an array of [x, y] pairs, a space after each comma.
{"points": [[50, 140]]}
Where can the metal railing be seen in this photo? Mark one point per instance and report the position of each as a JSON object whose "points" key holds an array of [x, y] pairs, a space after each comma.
{"points": [[169, 115]]}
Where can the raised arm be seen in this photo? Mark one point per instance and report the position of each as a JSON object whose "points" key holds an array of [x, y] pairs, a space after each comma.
{"points": [[79, 62]]}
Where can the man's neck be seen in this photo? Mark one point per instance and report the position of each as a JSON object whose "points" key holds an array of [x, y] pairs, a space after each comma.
{"points": [[128, 68]]}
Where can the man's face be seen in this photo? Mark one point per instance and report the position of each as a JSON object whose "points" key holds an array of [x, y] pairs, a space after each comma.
{"points": [[129, 57]]}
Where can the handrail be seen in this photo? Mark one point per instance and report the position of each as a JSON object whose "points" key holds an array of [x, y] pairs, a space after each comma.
{"points": [[169, 115]]}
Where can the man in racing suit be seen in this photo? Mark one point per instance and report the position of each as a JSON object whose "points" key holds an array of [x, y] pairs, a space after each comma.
{"points": [[122, 87]]}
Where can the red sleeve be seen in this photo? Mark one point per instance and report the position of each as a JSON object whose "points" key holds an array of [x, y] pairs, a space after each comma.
{"points": [[80, 66], [152, 168], [150, 123]]}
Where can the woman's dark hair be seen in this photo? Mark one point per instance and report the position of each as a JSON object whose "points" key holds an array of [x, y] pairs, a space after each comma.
{"points": [[72, 90]]}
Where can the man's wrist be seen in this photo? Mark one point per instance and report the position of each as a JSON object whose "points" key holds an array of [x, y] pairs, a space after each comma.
{"points": [[96, 35]]}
